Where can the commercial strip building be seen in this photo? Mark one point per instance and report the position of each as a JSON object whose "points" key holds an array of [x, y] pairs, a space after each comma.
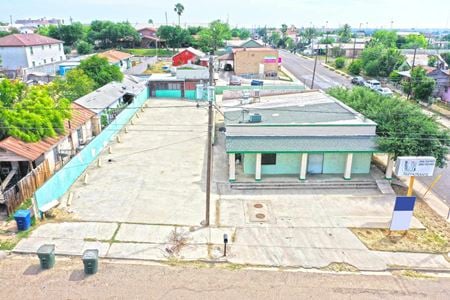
{"points": [[299, 135]]}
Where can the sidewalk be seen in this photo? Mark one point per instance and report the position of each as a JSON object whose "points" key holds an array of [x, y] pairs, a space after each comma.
{"points": [[263, 246]]}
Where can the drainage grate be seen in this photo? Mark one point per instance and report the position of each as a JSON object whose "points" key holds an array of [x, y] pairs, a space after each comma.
{"points": [[258, 205], [260, 216]]}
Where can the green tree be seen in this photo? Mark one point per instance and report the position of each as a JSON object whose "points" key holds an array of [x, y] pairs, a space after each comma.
{"points": [[4, 33], [112, 35], [309, 34], [345, 33], [275, 39], [432, 61], [100, 71], [34, 114], [179, 9], [421, 86], [386, 38], [403, 129], [214, 35], [355, 67], [75, 84], [150, 21], [415, 41], [84, 47], [11, 92], [284, 29], [244, 33], [174, 36], [377, 60]]}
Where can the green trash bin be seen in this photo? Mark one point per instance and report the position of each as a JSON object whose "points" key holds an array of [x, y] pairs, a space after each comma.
{"points": [[46, 254], [90, 261]]}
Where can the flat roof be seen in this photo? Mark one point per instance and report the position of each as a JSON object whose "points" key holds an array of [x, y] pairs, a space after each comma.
{"points": [[310, 107], [299, 144]]}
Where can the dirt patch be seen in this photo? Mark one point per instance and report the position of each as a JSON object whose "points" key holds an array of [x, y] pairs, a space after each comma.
{"points": [[413, 274], [435, 238], [156, 68]]}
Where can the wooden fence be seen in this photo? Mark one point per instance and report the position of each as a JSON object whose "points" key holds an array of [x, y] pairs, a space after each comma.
{"points": [[25, 188]]}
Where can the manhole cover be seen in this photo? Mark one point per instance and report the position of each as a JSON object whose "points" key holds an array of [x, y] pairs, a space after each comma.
{"points": [[258, 205], [260, 216]]}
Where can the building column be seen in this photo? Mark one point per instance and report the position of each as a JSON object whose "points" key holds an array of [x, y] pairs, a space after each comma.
{"points": [[232, 167], [389, 167], [258, 167], [303, 166], [348, 167]]}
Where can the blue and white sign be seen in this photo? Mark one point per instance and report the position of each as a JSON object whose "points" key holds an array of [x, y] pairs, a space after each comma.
{"points": [[403, 212]]}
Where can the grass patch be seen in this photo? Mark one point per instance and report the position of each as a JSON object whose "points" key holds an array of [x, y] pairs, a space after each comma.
{"points": [[25, 205], [414, 274], [10, 242], [156, 68], [150, 52], [435, 238], [340, 267], [283, 76]]}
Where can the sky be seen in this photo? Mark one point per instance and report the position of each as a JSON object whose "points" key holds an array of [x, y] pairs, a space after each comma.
{"points": [[243, 13]]}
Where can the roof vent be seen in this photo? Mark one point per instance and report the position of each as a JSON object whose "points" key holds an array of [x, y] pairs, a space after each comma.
{"points": [[254, 118]]}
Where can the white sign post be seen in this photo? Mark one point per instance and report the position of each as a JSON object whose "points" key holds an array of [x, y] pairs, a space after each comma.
{"points": [[404, 206]]}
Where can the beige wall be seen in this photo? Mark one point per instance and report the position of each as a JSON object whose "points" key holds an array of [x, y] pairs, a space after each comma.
{"points": [[248, 61]]}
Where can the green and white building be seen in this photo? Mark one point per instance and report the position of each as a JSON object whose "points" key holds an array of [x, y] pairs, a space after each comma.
{"points": [[299, 134]]}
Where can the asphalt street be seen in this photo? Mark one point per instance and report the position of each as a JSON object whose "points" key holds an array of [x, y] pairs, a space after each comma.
{"points": [[303, 68], [22, 278]]}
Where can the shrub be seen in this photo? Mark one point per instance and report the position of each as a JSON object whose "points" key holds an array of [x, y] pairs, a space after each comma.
{"points": [[339, 62], [355, 67], [67, 49], [372, 68]]}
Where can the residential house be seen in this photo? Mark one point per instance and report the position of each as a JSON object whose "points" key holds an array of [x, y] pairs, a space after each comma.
{"points": [[238, 44], [21, 51], [188, 82], [187, 56], [299, 135], [108, 101], [442, 88], [149, 39], [20, 157], [118, 58], [256, 62]]}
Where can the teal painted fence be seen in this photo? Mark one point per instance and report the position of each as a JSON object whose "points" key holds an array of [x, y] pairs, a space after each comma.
{"points": [[221, 89], [168, 93], [62, 180]]}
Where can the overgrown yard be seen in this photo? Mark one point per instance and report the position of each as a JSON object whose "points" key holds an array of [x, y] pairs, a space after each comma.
{"points": [[435, 238], [150, 52], [156, 68]]}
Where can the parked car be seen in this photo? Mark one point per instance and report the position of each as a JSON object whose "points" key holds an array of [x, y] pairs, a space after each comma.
{"points": [[358, 80], [234, 80], [384, 91], [374, 84], [257, 82]]}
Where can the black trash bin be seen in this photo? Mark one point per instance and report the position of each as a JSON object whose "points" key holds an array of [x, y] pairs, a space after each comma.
{"points": [[90, 261], [46, 254]]}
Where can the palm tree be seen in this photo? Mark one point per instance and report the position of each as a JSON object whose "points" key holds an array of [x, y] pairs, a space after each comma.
{"points": [[179, 9]]}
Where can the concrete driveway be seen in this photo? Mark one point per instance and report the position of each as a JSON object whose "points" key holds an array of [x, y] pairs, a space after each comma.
{"points": [[155, 175]]}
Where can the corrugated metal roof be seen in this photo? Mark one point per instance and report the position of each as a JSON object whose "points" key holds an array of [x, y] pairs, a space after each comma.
{"points": [[32, 151], [103, 97], [297, 144], [114, 56], [30, 39]]}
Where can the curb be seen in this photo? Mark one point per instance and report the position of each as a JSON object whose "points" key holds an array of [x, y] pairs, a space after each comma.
{"points": [[335, 70]]}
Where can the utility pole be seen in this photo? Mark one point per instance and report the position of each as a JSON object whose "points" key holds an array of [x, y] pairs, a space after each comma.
{"points": [[314, 73], [326, 45], [211, 95], [354, 44], [167, 22], [412, 69]]}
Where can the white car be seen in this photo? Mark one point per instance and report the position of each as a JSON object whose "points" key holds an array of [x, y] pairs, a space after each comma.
{"points": [[384, 92], [374, 84]]}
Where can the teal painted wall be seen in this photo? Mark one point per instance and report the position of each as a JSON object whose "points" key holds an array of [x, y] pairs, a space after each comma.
{"points": [[168, 93], [62, 180], [361, 163], [191, 95], [334, 163], [287, 164]]}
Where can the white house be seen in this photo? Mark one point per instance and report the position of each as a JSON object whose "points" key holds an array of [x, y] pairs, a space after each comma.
{"points": [[19, 51]]}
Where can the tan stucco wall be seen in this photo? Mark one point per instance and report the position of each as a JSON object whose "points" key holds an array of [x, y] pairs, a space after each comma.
{"points": [[248, 61]]}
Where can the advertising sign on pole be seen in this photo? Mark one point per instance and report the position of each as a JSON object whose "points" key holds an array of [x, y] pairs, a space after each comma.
{"points": [[415, 166]]}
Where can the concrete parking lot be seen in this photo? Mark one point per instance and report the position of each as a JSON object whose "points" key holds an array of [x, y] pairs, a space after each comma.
{"points": [[154, 175]]}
